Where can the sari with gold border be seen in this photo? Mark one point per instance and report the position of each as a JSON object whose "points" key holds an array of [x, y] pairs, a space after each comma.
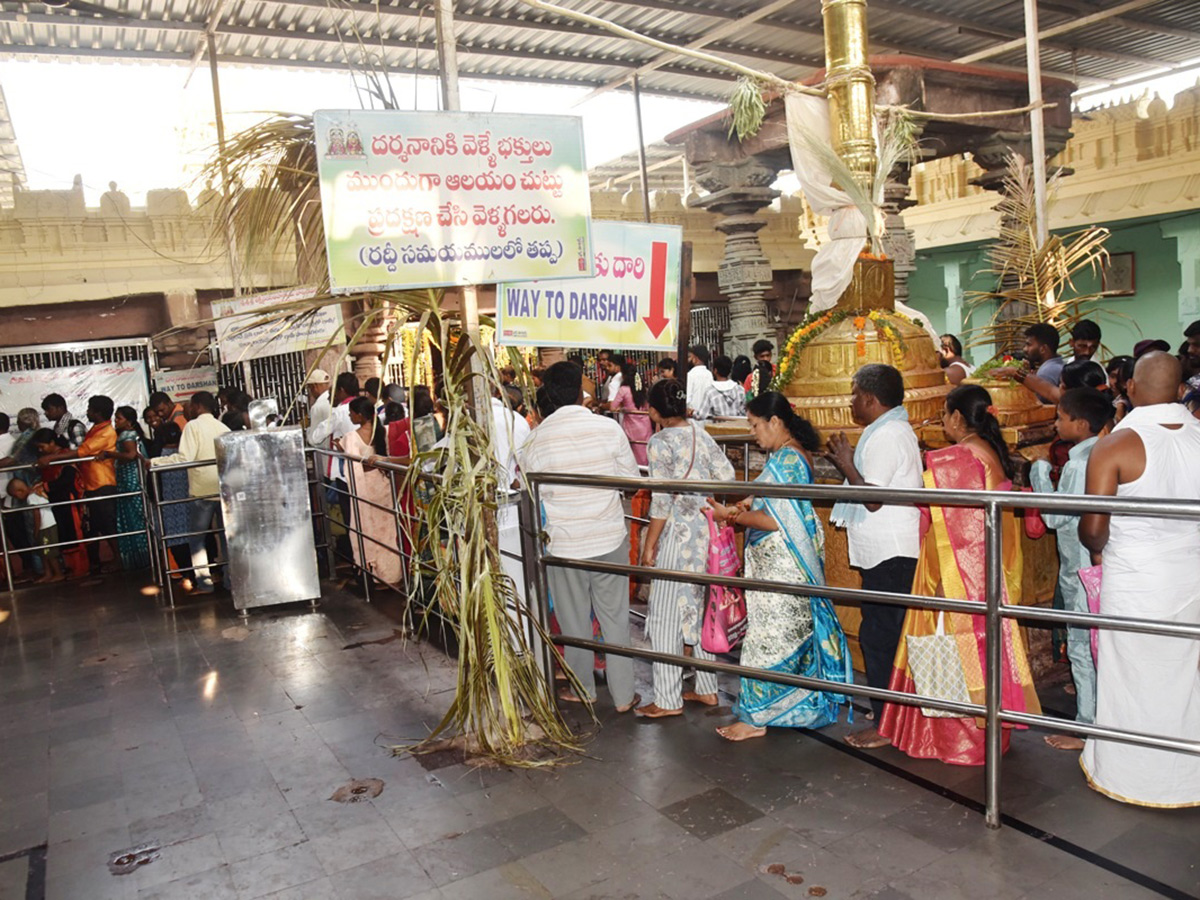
{"points": [[951, 565]]}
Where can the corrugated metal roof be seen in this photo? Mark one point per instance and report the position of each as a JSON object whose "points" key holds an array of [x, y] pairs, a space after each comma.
{"points": [[506, 40]]}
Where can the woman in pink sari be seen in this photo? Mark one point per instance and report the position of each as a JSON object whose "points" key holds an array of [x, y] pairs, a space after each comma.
{"points": [[951, 565], [632, 411]]}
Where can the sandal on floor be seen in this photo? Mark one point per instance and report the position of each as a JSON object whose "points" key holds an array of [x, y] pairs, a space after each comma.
{"points": [[654, 711]]}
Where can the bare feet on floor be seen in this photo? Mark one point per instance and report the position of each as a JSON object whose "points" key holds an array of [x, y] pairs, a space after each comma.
{"points": [[632, 704], [705, 699], [868, 739], [740, 731], [654, 711], [1064, 742]]}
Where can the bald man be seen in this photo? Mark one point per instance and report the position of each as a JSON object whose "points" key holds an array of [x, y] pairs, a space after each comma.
{"points": [[1146, 682]]}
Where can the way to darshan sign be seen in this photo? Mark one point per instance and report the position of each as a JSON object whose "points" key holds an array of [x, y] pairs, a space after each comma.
{"points": [[631, 303], [435, 199]]}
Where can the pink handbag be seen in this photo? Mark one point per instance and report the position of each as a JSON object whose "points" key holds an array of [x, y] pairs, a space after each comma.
{"points": [[1091, 576], [725, 614]]}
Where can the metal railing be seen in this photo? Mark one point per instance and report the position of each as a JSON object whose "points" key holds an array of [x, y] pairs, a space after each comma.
{"points": [[994, 610], [48, 508]]}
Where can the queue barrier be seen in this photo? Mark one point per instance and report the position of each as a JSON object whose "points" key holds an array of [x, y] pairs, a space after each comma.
{"points": [[994, 609], [9, 552]]}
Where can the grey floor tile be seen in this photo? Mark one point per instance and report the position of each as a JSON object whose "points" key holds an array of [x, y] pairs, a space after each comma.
{"points": [[260, 835], [320, 889], [422, 825], [343, 849], [535, 831], [391, 878], [559, 868], [214, 884], [711, 813], [754, 889], [511, 881], [458, 857], [1168, 851], [84, 793], [943, 823], [181, 860], [272, 872]]}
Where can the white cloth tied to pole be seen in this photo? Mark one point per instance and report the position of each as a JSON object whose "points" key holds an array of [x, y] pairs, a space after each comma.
{"points": [[833, 266]]}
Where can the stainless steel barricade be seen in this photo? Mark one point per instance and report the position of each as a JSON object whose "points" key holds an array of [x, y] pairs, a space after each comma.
{"points": [[9, 552], [537, 561]]}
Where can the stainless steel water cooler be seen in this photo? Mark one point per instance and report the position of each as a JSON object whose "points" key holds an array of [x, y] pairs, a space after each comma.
{"points": [[268, 517]]}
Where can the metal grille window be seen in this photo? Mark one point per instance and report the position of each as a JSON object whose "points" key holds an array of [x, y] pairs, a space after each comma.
{"points": [[62, 356], [709, 326]]}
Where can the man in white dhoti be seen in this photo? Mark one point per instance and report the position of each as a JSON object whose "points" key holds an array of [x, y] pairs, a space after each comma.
{"points": [[1147, 683]]}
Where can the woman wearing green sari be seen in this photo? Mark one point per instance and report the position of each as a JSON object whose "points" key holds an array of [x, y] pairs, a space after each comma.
{"points": [[785, 542]]}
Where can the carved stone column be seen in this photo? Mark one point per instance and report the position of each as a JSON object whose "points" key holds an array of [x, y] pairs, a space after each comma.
{"points": [[899, 241], [367, 352], [739, 188]]}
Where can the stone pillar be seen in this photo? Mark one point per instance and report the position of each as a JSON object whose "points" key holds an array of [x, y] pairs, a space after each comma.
{"points": [[1186, 233], [738, 189], [367, 351], [899, 242]]}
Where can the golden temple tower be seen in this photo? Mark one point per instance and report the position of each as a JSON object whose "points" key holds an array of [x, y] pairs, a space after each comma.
{"points": [[863, 327]]}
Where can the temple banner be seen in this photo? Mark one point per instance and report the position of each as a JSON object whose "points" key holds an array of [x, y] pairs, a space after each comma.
{"points": [[240, 338], [124, 382], [631, 302], [435, 199]]}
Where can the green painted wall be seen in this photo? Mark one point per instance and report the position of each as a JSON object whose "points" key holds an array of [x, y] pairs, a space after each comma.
{"points": [[1151, 312]]}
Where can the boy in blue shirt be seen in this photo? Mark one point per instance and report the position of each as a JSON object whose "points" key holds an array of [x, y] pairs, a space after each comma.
{"points": [[1084, 414]]}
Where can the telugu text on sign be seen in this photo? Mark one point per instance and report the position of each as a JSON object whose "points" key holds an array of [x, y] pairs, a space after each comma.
{"points": [[631, 302], [434, 199]]}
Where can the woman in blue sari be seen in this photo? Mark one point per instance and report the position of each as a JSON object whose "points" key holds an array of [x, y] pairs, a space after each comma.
{"points": [[785, 542]]}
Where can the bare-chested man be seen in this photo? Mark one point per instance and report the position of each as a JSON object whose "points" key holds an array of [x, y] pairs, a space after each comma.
{"points": [[1145, 682]]}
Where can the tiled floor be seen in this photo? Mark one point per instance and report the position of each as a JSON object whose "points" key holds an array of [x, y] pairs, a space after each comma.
{"points": [[221, 742]]}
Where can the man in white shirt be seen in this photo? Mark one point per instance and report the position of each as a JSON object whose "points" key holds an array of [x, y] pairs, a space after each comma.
{"points": [[319, 406], [699, 379], [884, 539], [509, 432], [204, 512], [333, 428], [585, 523]]}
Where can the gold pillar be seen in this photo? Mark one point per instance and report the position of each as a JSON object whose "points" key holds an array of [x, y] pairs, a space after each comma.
{"points": [[851, 86]]}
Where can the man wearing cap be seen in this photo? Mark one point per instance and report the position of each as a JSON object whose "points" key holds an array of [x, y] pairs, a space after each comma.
{"points": [[319, 406]]}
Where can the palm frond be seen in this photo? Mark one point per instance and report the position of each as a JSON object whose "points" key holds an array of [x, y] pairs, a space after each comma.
{"points": [[503, 705]]}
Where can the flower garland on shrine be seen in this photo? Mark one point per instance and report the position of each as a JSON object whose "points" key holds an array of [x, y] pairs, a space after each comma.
{"points": [[814, 325]]}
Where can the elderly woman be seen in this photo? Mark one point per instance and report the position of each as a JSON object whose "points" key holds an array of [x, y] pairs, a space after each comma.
{"points": [[678, 539]]}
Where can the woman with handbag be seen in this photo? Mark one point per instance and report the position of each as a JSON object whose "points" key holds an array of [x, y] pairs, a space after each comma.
{"points": [[951, 565], [785, 542], [677, 538]]}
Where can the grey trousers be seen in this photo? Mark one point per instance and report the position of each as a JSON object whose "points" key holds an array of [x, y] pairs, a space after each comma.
{"points": [[576, 594]]}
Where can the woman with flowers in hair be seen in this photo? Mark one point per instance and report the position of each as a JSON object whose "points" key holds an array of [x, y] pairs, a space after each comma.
{"points": [[951, 565], [630, 406]]}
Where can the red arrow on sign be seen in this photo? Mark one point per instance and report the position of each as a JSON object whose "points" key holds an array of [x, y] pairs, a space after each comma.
{"points": [[657, 321]]}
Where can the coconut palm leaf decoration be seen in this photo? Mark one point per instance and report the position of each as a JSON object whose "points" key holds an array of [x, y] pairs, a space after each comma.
{"points": [[504, 709], [1035, 282]]}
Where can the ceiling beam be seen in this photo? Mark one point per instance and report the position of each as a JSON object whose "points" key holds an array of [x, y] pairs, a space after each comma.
{"points": [[988, 30], [120, 21], [167, 56], [721, 31], [1073, 7], [1055, 30]]}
